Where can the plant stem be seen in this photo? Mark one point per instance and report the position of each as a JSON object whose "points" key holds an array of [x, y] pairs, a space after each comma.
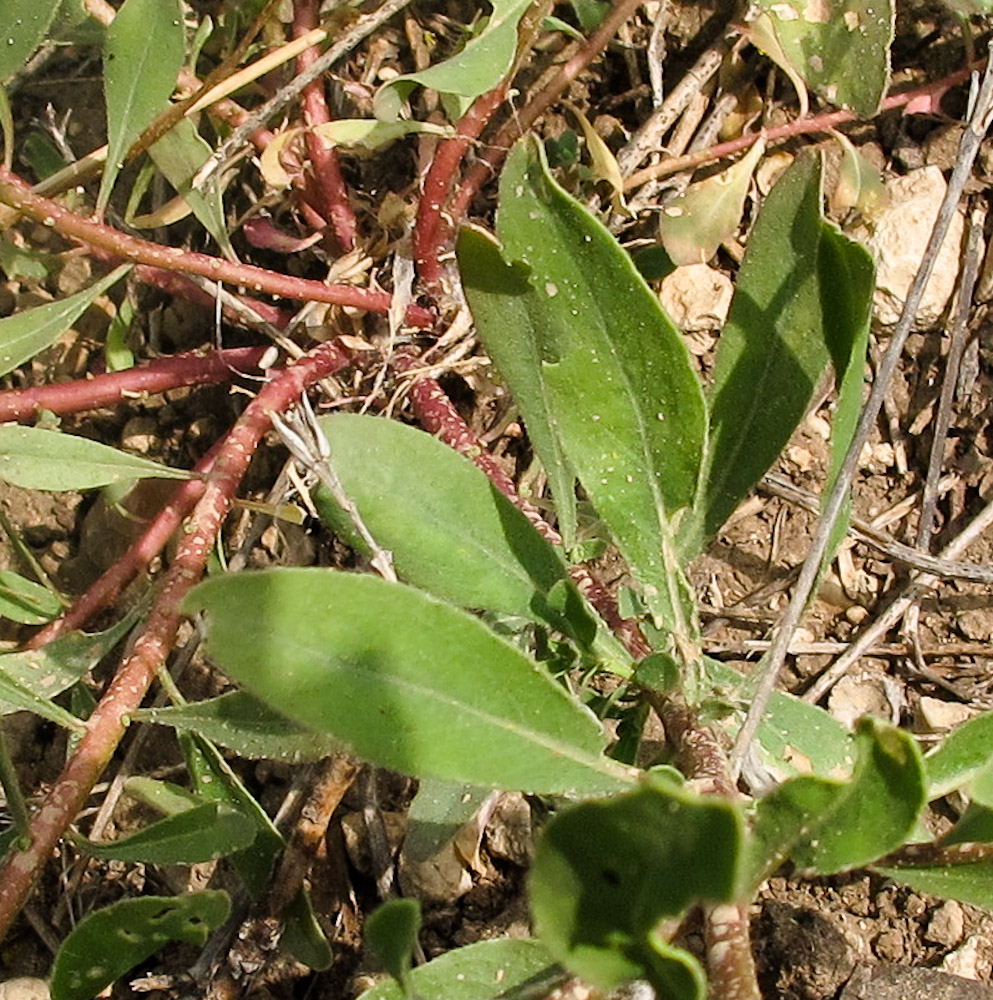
{"points": [[15, 193], [972, 137], [482, 170], [107, 724], [329, 191], [114, 387]]}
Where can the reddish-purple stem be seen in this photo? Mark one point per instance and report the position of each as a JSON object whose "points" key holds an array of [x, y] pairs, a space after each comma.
{"points": [[107, 724], [327, 183], [105, 390], [484, 168], [15, 193], [430, 232]]}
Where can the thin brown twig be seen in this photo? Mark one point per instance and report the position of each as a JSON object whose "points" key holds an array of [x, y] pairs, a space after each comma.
{"points": [[972, 137]]}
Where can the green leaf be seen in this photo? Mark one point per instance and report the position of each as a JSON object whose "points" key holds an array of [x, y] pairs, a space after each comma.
{"points": [[508, 321], [113, 940], [439, 810], [794, 738], [964, 753], [504, 969], [451, 532], [39, 459], [25, 601], [605, 873], [608, 374], [841, 50], [179, 154], [875, 812], [391, 933], [772, 351], [203, 833], [244, 724], [694, 225], [216, 782], [847, 279], [787, 817], [138, 77], [26, 333], [15, 696], [479, 67], [25, 24], [60, 664], [163, 796], [406, 681], [971, 882]]}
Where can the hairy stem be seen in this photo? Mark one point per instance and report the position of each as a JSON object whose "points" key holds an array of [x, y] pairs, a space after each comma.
{"points": [[107, 724], [15, 193], [194, 368], [330, 194]]}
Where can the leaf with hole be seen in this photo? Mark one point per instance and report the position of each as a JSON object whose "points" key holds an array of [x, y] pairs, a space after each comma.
{"points": [[246, 725], [26, 333], [108, 943], [138, 78], [435, 693], [607, 872], [39, 459]]}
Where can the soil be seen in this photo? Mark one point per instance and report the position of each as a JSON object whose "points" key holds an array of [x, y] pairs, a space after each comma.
{"points": [[810, 935]]}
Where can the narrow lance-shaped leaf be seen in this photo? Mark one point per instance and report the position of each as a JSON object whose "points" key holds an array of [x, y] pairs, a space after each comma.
{"points": [[108, 943], [39, 459], [434, 693], [204, 833], [25, 23], [216, 782], [479, 67], [143, 54], [503, 969], [26, 333], [27, 602], [614, 377], [772, 351], [244, 724]]}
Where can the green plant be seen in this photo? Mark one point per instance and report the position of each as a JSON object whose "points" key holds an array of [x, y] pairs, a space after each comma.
{"points": [[414, 675]]}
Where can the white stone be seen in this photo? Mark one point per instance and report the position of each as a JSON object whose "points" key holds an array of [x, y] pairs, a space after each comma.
{"points": [[697, 297], [897, 237]]}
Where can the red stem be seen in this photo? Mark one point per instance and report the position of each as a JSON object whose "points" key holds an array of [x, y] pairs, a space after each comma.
{"points": [[15, 193], [106, 390], [483, 169], [107, 724], [328, 185], [430, 234]]}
